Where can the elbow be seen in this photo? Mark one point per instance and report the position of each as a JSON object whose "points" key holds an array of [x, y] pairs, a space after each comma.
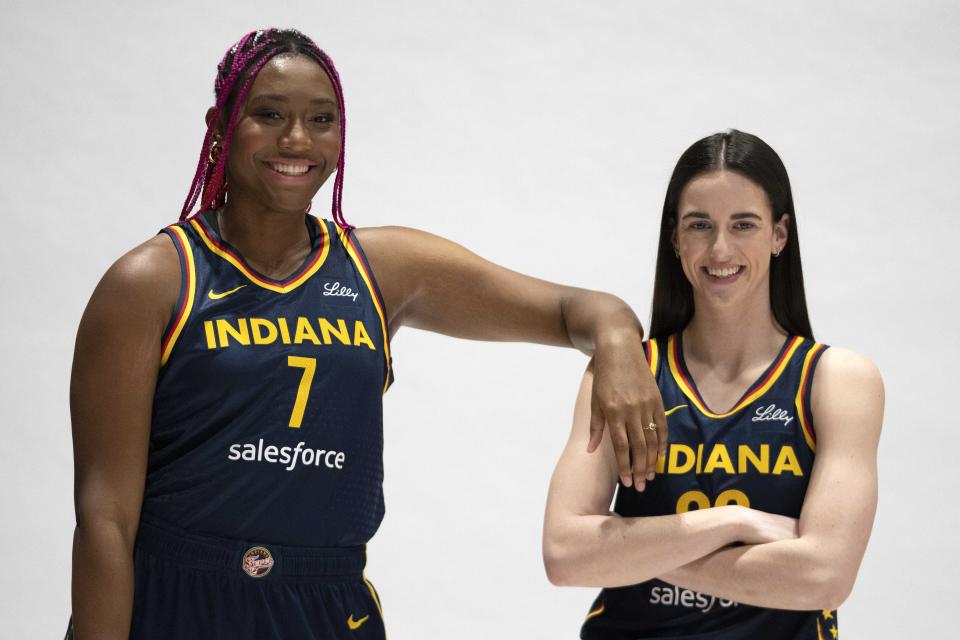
{"points": [[835, 593], [562, 564], [556, 565], [831, 588]]}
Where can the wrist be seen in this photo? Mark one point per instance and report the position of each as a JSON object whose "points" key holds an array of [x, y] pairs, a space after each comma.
{"points": [[736, 522], [617, 329]]}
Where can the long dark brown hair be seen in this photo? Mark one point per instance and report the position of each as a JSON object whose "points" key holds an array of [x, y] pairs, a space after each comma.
{"points": [[752, 157]]}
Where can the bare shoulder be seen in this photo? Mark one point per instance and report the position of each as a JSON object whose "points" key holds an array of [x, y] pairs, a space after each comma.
{"points": [[846, 368], [145, 281], [154, 259], [384, 242], [847, 396], [403, 261]]}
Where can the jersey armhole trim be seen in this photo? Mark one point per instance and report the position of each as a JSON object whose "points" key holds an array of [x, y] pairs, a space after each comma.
{"points": [[356, 254], [652, 352], [188, 288], [803, 394]]}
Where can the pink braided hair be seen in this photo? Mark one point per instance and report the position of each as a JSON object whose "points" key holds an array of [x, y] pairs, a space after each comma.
{"points": [[244, 61]]}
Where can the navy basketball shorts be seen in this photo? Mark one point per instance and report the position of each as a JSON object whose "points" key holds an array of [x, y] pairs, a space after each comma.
{"points": [[191, 586]]}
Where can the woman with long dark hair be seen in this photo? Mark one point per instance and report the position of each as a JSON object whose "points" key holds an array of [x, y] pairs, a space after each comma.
{"points": [[228, 374], [759, 520]]}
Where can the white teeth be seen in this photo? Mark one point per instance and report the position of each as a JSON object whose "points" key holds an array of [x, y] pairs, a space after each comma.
{"points": [[723, 273], [290, 169]]}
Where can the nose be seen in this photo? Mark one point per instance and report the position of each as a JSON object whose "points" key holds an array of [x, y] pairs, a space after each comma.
{"points": [[720, 249], [295, 138]]}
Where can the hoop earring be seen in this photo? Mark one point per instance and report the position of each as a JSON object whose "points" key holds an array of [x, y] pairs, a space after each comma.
{"points": [[776, 254], [214, 154]]}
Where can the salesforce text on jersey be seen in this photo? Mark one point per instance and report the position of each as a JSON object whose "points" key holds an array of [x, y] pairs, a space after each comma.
{"points": [[287, 455]]}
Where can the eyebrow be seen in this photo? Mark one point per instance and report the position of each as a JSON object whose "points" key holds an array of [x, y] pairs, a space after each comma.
{"points": [[706, 216], [282, 98]]}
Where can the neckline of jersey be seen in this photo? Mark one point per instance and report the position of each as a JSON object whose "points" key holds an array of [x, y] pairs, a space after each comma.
{"points": [[759, 387], [320, 247]]}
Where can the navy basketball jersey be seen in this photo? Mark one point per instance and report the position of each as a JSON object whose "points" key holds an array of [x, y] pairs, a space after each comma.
{"points": [[759, 454], [267, 418]]}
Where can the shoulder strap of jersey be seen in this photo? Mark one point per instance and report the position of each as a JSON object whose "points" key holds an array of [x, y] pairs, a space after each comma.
{"points": [[804, 387], [188, 289], [652, 350], [352, 246]]}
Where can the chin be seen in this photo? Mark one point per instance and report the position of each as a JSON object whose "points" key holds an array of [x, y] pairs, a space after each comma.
{"points": [[290, 205]]}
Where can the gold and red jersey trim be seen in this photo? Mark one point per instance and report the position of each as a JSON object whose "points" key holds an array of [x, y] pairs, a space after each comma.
{"points": [[803, 410], [169, 340], [285, 287], [598, 611], [760, 388], [653, 354], [348, 243]]}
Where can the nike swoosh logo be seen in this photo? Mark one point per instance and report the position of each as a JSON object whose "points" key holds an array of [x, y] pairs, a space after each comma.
{"points": [[356, 624], [676, 408], [217, 296]]}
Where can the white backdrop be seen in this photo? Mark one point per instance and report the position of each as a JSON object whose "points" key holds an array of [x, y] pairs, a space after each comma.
{"points": [[541, 135]]}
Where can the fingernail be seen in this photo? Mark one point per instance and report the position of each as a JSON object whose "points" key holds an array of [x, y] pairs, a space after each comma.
{"points": [[651, 475], [628, 481], [641, 485]]}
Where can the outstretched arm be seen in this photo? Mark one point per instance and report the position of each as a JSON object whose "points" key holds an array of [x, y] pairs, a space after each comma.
{"points": [[586, 545], [817, 570], [434, 284]]}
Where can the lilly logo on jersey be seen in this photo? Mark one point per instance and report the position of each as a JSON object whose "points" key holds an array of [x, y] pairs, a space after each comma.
{"points": [[337, 290], [771, 412]]}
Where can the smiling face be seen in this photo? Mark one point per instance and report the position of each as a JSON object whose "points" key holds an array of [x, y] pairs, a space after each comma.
{"points": [[287, 138], [726, 237]]}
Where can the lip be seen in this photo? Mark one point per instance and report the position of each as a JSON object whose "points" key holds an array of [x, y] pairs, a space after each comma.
{"points": [[724, 280], [302, 179]]}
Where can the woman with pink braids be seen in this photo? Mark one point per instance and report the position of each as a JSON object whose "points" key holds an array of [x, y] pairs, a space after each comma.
{"points": [[228, 377]]}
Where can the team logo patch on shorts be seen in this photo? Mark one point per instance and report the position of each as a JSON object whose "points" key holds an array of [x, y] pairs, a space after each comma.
{"points": [[257, 562]]}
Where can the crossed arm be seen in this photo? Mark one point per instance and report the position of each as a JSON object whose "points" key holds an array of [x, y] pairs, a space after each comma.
{"points": [[783, 563]]}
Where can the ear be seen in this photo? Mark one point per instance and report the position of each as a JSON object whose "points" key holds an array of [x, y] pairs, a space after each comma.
{"points": [[218, 127], [780, 233]]}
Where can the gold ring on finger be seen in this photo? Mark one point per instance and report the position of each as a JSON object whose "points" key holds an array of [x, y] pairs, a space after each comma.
{"points": [[651, 427]]}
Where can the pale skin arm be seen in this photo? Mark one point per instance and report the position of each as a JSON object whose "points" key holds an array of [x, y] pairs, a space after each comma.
{"points": [[586, 545], [434, 284], [115, 367], [817, 570]]}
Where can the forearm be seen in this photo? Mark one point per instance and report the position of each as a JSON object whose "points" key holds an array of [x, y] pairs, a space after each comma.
{"points": [[594, 318], [790, 574], [611, 551], [102, 581]]}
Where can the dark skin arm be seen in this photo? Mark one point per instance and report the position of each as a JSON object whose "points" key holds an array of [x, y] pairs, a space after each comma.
{"points": [[115, 367], [427, 282], [434, 284]]}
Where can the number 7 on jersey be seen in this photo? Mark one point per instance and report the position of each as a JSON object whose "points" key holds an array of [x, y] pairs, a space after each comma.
{"points": [[309, 366]]}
